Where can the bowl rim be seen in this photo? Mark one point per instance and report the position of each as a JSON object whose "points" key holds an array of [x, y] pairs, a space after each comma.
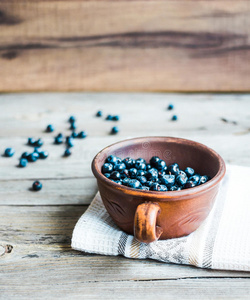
{"points": [[167, 195]]}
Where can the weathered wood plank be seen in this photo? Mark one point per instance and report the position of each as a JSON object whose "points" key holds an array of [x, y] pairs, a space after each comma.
{"points": [[125, 45]]}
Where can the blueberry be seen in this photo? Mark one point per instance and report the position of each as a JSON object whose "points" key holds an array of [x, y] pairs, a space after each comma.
{"points": [[32, 157], [60, 135], [195, 178], [152, 174], [134, 183], [115, 175], [109, 118], [125, 181], [67, 153], [203, 179], [182, 173], [174, 118], [160, 165], [70, 142], [25, 155], [107, 175], [58, 139], [174, 169], [181, 180], [189, 184], [142, 173], [112, 159], [43, 154], [155, 187], [74, 134], [119, 167], [115, 118], [149, 183], [132, 173], [170, 106], [189, 171], [144, 188], [140, 165], [82, 135], [142, 179], [154, 160], [114, 130], [168, 180], [37, 186], [148, 167], [23, 162], [73, 126], [31, 141], [50, 128], [163, 188], [129, 162], [175, 188], [107, 168], [140, 160], [72, 119], [38, 143], [161, 173], [124, 173], [99, 113], [118, 181], [9, 152]]}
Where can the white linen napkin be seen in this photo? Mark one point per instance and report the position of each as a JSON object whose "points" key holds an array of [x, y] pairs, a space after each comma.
{"points": [[221, 242]]}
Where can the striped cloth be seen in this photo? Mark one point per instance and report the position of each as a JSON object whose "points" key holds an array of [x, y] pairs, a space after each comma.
{"points": [[221, 242]]}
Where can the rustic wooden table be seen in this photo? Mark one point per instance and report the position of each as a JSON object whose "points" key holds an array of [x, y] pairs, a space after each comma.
{"points": [[36, 260]]}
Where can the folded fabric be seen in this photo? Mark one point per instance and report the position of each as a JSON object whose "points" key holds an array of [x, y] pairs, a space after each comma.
{"points": [[221, 242]]}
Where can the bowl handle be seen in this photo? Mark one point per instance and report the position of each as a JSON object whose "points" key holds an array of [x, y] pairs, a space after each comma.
{"points": [[145, 228]]}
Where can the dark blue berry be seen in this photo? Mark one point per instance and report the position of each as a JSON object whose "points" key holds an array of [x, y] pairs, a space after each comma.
{"points": [[82, 135], [174, 118], [112, 159], [67, 152], [149, 167], [118, 181], [25, 155], [107, 175], [175, 188], [58, 140], [23, 162], [134, 183], [142, 173], [43, 154], [189, 171], [109, 118], [160, 165], [132, 172], [32, 157], [125, 181], [60, 135], [152, 174], [174, 169], [74, 134], [107, 168], [114, 130], [99, 113], [115, 118], [181, 180], [37, 185], [170, 106], [142, 179], [72, 119], [168, 180], [144, 188], [70, 142], [203, 179], [155, 187], [115, 175], [140, 165], [182, 173], [50, 128], [163, 188], [149, 183], [31, 141], [119, 167], [161, 173], [73, 126], [129, 162], [9, 152], [140, 160], [195, 178], [124, 173], [154, 160], [38, 143], [190, 184]]}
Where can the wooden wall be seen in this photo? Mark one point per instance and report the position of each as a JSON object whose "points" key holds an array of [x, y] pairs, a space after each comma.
{"points": [[180, 45]]}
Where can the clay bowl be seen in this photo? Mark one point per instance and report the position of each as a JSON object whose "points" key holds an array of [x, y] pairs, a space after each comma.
{"points": [[153, 215]]}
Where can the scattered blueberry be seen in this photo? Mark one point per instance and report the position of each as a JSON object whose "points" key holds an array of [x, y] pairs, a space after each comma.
{"points": [[82, 135], [50, 128], [31, 141], [73, 126], [9, 152], [74, 134], [37, 185], [59, 139], [67, 153], [38, 143], [115, 118], [43, 154], [72, 119], [114, 130], [32, 157], [23, 162], [109, 118], [174, 118], [170, 106], [70, 142], [25, 155], [99, 113]]}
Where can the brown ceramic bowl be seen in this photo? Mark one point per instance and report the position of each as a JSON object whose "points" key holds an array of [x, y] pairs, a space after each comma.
{"points": [[153, 215]]}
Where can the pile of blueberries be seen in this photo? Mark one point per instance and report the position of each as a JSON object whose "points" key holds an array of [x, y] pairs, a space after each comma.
{"points": [[152, 176]]}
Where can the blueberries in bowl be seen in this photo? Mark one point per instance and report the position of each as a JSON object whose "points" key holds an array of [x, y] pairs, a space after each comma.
{"points": [[152, 176]]}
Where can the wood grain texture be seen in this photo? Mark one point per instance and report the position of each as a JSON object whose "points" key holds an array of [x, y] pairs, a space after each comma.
{"points": [[125, 45], [36, 260]]}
